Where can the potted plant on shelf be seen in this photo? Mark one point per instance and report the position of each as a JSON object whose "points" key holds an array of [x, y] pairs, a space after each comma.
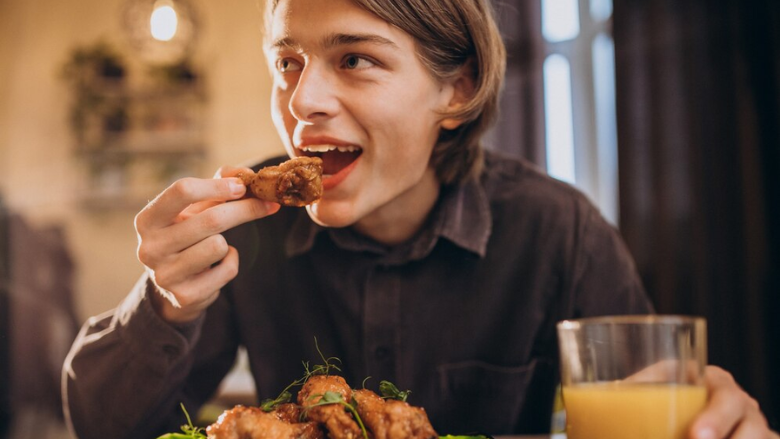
{"points": [[96, 75]]}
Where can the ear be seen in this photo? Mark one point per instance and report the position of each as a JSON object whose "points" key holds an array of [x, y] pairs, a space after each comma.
{"points": [[463, 91]]}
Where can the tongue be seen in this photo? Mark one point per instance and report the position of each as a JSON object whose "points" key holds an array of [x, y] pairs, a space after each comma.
{"points": [[335, 161]]}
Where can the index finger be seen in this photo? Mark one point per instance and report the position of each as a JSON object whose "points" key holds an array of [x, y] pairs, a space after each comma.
{"points": [[231, 171], [166, 207]]}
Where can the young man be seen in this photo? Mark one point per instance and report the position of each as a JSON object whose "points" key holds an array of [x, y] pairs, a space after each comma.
{"points": [[428, 262]]}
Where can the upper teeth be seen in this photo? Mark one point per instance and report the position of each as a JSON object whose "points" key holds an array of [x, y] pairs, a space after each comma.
{"points": [[326, 148]]}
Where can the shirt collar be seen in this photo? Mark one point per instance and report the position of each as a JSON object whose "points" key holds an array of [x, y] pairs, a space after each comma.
{"points": [[461, 215]]}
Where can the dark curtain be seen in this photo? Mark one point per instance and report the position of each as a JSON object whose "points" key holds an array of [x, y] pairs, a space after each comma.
{"points": [[520, 128], [698, 96]]}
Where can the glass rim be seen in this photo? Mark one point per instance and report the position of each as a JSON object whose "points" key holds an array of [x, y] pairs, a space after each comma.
{"points": [[635, 319]]}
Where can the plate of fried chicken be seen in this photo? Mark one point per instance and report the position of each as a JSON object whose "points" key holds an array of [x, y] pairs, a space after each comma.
{"points": [[326, 407]]}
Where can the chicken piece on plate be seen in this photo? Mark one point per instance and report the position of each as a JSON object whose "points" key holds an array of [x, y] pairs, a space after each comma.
{"points": [[338, 422], [296, 182], [392, 419], [289, 412], [253, 423]]}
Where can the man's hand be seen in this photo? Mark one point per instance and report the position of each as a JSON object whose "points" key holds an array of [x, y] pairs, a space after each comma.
{"points": [[730, 412], [181, 245]]}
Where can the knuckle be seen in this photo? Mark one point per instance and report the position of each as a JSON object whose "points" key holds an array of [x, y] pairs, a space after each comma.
{"points": [[752, 402], [140, 220], [145, 254], [185, 300], [229, 269], [163, 278], [212, 222], [183, 188], [258, 209], [226, 171], [218, 245]]}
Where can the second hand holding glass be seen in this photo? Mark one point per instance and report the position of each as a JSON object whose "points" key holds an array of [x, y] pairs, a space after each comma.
{"points": [[632, 376]]}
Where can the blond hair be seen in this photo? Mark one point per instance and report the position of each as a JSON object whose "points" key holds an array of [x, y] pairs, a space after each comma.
{"points": [[451, 35]]}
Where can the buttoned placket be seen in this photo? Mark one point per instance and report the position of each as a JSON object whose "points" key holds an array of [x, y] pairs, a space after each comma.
{"points": [[381, 311]]}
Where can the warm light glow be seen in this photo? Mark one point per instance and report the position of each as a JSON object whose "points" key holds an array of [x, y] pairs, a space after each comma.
{"points": [[164, 22]]}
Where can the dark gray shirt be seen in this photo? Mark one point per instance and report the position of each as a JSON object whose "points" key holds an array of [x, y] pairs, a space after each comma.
{"points": [[463, 314]]}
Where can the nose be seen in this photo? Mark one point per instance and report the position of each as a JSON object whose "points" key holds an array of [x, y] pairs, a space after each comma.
{"points": [[313, 97]]}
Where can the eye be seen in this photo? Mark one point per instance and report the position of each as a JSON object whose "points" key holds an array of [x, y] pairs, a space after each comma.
{"points": [[285, 65], [355, 62]]}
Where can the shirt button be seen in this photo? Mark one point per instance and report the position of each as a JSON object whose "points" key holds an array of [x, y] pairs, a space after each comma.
{"points": [[381, 353]]}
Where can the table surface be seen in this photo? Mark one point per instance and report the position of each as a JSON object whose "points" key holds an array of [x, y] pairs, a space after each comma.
{"points": [[541, 436]]}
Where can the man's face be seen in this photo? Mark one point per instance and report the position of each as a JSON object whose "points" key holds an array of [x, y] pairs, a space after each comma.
{"points": [[351, 89]]}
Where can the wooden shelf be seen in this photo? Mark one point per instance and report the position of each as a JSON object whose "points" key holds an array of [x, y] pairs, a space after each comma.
{"points": [[134, 141]]}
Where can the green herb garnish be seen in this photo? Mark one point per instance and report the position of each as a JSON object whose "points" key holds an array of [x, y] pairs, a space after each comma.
{"points": [[321, 369], [270, 404], [318, 369], [390, 391], [337, 398], [189, 431]]}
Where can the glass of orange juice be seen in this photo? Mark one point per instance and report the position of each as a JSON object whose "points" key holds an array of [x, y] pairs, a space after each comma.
{"points": [[638, 377]]}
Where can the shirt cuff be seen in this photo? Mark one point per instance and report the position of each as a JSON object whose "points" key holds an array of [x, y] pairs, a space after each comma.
{"points": [[144, 330]]}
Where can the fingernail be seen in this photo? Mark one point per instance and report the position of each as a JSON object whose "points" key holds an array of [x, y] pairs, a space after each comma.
{"points": [[705, 433]]}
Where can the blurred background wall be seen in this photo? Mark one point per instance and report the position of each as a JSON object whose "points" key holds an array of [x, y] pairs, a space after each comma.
{"points": [[39, 166], [44, 177]]}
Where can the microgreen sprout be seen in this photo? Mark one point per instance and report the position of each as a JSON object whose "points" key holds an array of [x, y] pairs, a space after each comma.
{"points": [[269, 405], [189, 431], [390, 391], [318, 369], [322, 369], [330, 397]]}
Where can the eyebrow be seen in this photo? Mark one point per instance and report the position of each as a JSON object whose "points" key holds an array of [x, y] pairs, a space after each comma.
{"points": [[337, 39]]}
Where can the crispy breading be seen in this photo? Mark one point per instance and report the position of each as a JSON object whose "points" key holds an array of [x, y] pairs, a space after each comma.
{"points": [[296, 182], [243, 422], [392, 419], [338, 422]]}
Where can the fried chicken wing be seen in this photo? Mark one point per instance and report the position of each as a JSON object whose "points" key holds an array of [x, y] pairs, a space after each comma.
{"points": [[296, 182], [383, 419], [253, 423], [288, 412], [337, 421], [392, 419]]}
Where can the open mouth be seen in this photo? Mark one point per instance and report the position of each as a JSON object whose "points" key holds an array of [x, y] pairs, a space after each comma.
{"points": [[334, 158]]}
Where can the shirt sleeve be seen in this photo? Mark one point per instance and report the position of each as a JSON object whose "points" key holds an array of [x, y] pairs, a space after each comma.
{"points": [[128, 371], [606, 281]]}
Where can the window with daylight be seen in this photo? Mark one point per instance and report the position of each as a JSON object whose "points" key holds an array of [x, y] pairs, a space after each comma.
{"points": [[558, 104], [579, 98]]}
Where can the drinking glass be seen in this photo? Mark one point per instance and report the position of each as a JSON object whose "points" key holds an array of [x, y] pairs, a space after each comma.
{"points": [[639, 377]]}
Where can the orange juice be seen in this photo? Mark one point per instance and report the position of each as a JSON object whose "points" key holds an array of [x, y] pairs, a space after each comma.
{"points": [[620, 410]]}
